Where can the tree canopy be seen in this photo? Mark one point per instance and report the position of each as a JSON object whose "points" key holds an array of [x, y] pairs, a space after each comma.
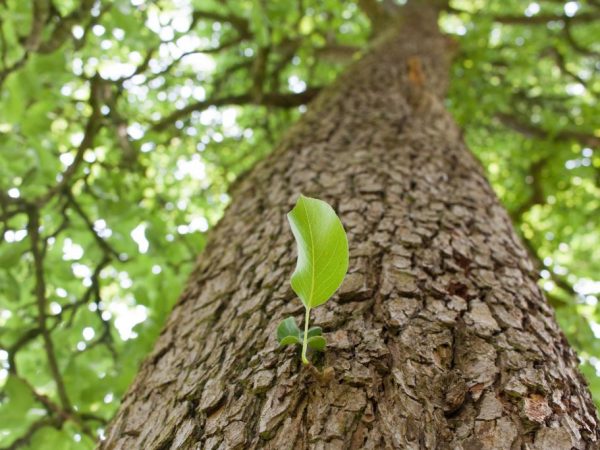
{"points": [[123, 123]]}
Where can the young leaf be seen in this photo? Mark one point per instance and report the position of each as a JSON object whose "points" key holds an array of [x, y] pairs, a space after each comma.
{"points": [[317, 343], [322, 251], [288, 328], [290, 340], [314, 331]]}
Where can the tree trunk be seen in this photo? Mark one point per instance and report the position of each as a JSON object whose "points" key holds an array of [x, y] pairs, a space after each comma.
{"points": [[439, 338]]}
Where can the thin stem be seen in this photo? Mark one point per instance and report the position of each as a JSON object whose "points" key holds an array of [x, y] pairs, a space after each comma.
{"points": [[33, 229], [305, 340]]}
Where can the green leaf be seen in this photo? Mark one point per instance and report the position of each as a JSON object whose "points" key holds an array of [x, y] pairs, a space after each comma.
{"points": [[317, 343], [290, 340], [11, 253], [322, 251], [288, 328], [17, 401], [314, 331]]}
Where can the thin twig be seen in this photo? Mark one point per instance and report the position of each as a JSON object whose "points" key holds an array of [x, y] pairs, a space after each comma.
{"points": [[33, 226]]}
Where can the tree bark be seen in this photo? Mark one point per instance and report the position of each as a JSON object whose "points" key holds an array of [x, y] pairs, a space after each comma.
{"points": [[439, 337]]}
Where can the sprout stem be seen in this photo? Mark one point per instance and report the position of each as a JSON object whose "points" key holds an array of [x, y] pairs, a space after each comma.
{"points": [[305, 340]]}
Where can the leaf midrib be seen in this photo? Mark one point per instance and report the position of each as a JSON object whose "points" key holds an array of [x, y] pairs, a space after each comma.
{"points": [[312, 255]]}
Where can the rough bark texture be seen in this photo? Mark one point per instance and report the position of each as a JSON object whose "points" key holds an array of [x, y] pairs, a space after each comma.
{"points": [[439, 337]]}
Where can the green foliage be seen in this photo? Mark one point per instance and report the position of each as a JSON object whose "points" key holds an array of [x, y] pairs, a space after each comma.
{"points": [[321, 267], [317, 343], [288, 333], [123, 123]]}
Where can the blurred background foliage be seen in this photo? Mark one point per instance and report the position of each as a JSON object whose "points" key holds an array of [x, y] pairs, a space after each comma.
{"points": [[123, 122]]}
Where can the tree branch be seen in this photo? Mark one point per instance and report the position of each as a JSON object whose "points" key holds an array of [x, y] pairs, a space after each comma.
{"points": [[239, 23], [574, 44], [105, 246], [542, 19], [281, 100], [39, 15], [537, 191], [561, 62], [26, 337], [91, 129], [33, 226], [31, 430], [529, 130], [62, 31]]}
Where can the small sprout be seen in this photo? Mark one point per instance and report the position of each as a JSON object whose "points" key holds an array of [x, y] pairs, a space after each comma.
{"points": [[288, 332], [314, 331], [321, 267], [317, 343]]}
